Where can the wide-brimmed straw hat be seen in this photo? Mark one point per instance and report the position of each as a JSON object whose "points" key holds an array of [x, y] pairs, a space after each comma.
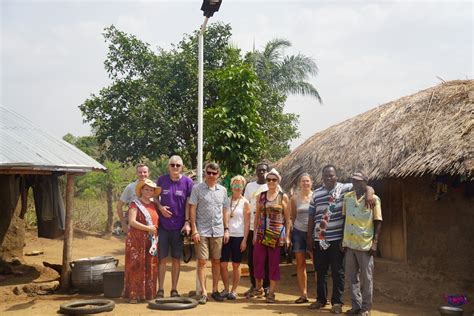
{"points": [[148, 182]]}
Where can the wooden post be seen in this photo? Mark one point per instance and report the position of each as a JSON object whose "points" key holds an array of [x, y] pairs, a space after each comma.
{"points": [[68, 233], [110, 211], [404, 209]]}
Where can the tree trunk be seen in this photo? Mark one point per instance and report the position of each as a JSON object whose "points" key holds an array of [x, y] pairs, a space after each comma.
{"points": [[110, 210]]}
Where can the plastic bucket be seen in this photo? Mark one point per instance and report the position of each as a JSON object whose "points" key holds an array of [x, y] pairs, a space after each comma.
{"points": [[113, 283]]}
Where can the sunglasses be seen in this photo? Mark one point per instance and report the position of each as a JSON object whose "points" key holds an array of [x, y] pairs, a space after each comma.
{"points": [[272, 179], [212, 173], [236, 186], [175, 165]]}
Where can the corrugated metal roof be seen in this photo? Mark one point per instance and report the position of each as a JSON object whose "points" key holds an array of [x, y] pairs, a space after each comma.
{"points": [[24, 145]]}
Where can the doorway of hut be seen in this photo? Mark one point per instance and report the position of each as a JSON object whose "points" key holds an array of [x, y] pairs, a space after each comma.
{"points": [[392, 244]]}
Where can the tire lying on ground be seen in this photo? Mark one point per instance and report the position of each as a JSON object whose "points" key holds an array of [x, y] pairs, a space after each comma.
{"points": [[172, 303], [82, 307]]}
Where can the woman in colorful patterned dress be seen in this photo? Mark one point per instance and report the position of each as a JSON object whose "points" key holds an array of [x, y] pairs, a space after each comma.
{"points": [[272, 220], [141, 261]]}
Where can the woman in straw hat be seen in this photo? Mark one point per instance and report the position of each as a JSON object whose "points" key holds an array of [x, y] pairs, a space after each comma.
{"points": [[272, 220], [141, 261]]}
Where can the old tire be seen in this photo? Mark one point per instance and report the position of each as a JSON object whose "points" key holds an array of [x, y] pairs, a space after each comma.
{"points": [[82, 307], [172, 303]]}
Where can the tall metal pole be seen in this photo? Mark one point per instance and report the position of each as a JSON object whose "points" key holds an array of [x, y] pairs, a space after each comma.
{"points": [[200, 120], [201, 99]]}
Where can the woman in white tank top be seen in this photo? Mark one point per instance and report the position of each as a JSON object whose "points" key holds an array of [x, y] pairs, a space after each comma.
{"points": [[299, 204], [239, 224]]}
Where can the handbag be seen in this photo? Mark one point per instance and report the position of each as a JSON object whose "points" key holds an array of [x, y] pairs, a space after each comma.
{"points": [[270, 238]]}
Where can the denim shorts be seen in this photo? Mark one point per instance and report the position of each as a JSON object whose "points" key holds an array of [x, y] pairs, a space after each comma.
{"points": [[232, 250], [170, 239], [298, 239]]}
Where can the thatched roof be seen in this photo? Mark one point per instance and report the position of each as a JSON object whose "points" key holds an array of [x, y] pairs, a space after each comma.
{"points": [[430, 132]]}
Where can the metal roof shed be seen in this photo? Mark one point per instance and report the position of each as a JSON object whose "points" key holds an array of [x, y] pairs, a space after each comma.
{"points": [[25, 149]]}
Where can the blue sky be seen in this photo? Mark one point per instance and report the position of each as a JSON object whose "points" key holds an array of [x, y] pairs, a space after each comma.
{"points": [[368, 52]]}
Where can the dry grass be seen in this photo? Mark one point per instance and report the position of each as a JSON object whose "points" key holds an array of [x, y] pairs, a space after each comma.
{"points": [[430, 132], [89, 214]]}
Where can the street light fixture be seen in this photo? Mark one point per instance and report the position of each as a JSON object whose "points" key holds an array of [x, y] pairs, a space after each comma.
{"points": [[209, 7]]}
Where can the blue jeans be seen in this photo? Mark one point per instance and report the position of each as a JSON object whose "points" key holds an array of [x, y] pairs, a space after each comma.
{"points": [[298, 239]]}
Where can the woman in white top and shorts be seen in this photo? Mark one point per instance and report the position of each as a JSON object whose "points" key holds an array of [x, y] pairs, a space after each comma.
{"points": [[239, 224], [299, 215]]}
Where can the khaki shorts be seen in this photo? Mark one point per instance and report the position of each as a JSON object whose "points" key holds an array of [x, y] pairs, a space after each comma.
{"points": [[212, 244]]}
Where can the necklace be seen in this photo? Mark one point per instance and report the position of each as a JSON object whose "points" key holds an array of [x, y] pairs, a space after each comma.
{"points": [[235, 206], [305, 197]]}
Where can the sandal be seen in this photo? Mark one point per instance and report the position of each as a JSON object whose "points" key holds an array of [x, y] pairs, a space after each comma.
{"points": [[255, 293], [270, 298], [301, 300], [174, 293], [160, 294]]}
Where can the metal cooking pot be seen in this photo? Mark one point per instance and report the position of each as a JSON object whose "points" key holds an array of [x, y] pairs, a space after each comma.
{"points": [[87, 272]]}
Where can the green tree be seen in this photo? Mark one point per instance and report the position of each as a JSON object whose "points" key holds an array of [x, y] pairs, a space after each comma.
{"points": [[234, 124], [150, 109], [285, 74]]}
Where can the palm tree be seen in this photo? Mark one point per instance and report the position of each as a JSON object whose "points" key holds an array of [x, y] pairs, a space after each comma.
{"points": [[286, 74]]}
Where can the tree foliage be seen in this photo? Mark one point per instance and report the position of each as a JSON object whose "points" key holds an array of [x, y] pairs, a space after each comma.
{"points": [[285, 74], [150, 108], [234, 129]]}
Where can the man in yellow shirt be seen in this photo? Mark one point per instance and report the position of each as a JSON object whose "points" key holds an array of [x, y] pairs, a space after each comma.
{"points": [[361, 234]]}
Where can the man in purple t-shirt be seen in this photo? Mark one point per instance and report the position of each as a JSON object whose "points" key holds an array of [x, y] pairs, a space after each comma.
{"points": [[174, 217]]}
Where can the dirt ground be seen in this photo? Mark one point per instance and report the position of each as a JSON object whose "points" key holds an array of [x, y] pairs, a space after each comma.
{"points": [[90, 245]]}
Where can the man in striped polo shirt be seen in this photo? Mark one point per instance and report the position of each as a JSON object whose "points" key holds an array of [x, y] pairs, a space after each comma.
{"points": [[325, 232]]}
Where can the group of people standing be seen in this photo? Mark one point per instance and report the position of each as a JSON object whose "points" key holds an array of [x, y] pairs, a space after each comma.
{"points": [[336, 224]]}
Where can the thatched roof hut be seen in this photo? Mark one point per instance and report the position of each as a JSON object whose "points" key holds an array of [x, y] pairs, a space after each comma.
{"points": [[430, 132], [419, 154]]}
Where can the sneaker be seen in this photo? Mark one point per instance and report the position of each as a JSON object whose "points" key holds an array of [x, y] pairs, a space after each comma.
{"points": [[217, 296], [203, 300], [266, 290], [316, 305], [232, 296], [224, 294], [353, 311], [363, 313], [336, 309]]}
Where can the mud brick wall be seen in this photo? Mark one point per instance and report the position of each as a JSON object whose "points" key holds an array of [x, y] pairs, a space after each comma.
{"points": [[440, 233]]}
